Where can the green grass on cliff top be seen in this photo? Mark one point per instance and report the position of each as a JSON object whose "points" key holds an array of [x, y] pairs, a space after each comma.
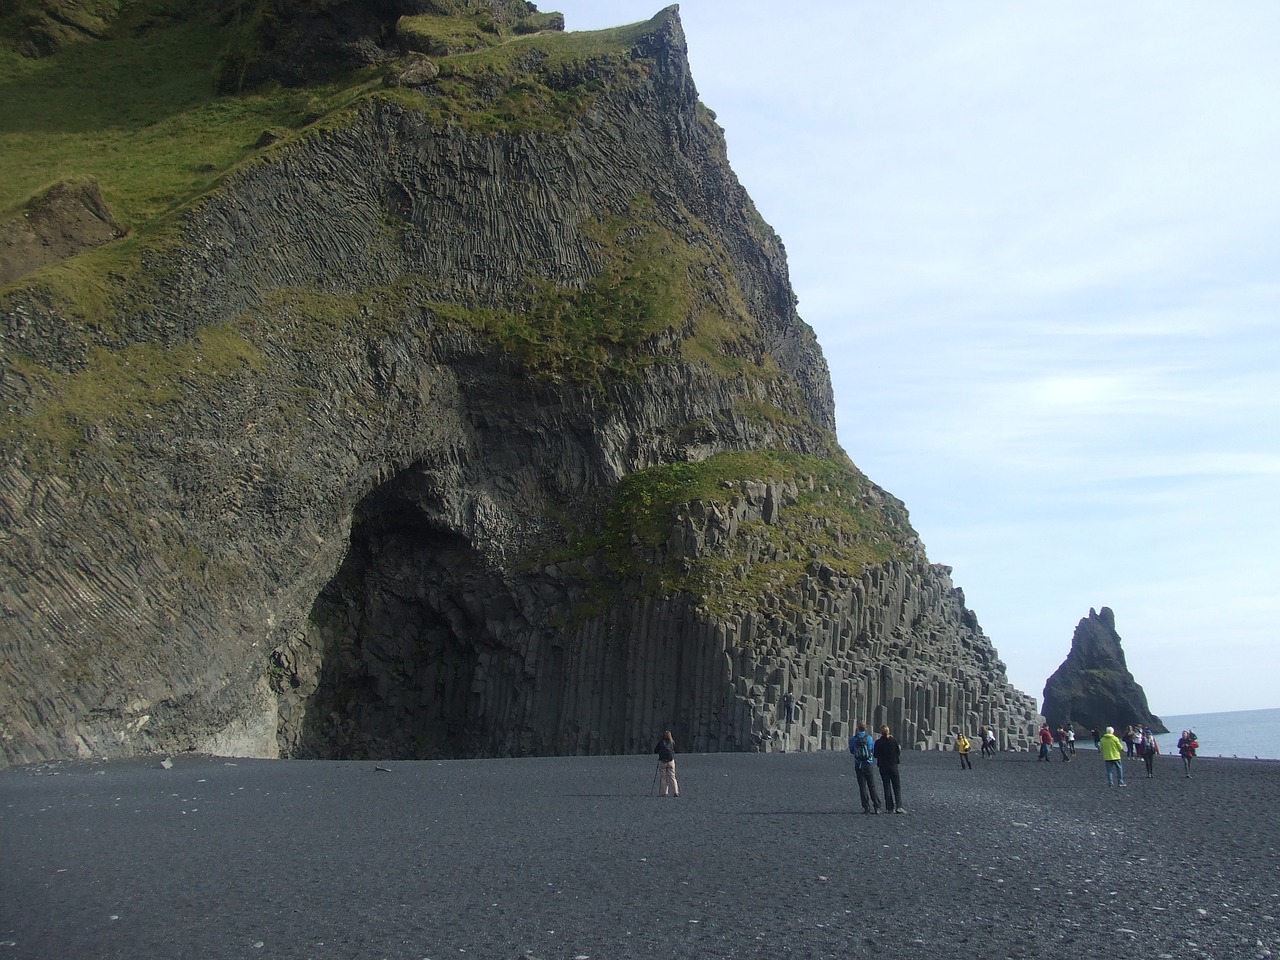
{"points": [[840, 519], [138, 109]]}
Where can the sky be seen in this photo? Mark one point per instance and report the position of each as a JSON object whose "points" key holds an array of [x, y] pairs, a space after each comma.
{"points": [[1040, 246]]}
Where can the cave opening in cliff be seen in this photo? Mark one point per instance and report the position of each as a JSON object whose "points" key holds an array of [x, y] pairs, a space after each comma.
{"points": [[395, 655]]}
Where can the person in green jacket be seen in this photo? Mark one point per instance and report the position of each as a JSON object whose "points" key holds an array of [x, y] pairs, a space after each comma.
{"points": [[1112, 750]]}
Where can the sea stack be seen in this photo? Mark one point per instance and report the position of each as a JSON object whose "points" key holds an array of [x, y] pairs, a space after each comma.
{"points": [[1094, 688]]}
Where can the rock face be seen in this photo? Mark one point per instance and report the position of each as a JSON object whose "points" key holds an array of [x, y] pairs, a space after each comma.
{"points": [[422, 440], [66, 219], [1094, 688]]}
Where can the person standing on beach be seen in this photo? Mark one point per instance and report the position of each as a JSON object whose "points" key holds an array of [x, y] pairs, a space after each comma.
{"points": [[1187, 746], [1128, 739], [1112, 750], [863, 749], [1097, 739], [789, 707], [888, 755], [962, 748], [1062, 743], [1149, 750], [1071, 739], [666, 751], [991, 741]]}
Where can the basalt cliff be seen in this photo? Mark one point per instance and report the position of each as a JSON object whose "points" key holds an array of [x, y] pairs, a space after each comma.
{"points": [[415, 379]]}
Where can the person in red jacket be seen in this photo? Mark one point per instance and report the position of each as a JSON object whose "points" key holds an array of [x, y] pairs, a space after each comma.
{"points": [[1187, 746], [1046, 741]]}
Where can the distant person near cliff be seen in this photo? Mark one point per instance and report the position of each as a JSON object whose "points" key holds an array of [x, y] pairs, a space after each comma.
{"points": [[1187, 747], [962, 748], [1112, 750], [863, 749], [888, 754], [1046, 741], [990, 743], [666, 751]]}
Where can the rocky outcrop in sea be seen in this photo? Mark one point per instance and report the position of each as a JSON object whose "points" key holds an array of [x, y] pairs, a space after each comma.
{"points": [[1093, 688]]}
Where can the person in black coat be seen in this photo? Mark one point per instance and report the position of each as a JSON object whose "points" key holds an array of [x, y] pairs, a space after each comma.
{"points": [[888, 754], [666, 751]]}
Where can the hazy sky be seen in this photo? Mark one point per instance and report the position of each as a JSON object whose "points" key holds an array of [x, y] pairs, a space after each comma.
{"points": [[1040, 246]]}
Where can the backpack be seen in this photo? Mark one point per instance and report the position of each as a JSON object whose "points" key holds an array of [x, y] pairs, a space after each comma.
{"points": [[665, 753], [860, 747]]}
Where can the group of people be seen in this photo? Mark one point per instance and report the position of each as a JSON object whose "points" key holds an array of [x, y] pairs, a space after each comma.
{"points": [[1065, 737], [987, 735], [1141, 742], [883, 754]]}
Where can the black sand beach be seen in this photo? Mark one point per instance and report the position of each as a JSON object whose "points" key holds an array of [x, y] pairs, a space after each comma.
{"points": [[762, 856]]}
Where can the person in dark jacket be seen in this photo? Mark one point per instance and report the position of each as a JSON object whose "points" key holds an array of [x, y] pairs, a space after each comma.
{"points": [[863, 749], [888, 754], [1187, 747], [666, 751]]}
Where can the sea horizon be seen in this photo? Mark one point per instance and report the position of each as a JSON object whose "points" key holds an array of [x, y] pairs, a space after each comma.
{"points": [[1245, 734]]}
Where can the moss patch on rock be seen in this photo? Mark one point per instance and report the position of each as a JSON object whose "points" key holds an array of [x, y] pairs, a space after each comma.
{"points": [[837, 519]]}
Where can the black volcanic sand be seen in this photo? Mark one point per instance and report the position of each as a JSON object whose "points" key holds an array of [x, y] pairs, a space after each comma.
{"points": [[762, 856]]}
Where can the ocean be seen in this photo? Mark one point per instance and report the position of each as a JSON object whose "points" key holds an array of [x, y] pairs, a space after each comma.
{"points": [[1247, 734]]}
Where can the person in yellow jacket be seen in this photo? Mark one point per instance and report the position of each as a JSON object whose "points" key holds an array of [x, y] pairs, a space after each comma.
{"points": [[1112, 750], [962, 748]]}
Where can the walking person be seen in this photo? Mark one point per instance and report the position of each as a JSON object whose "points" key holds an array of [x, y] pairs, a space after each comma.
{"points": [[1071, 739], [1046, 741], [888, 754], [1149, 750], [1097, 739], [1062, 743], [991, 741], [962, 748], [666, 751], [863, 749], [1112, 750], [1187, 747]]}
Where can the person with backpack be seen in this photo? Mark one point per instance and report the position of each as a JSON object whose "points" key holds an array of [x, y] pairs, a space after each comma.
{"points": [[888, 754], [666, 751], [962, 748], [862, 748]]}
